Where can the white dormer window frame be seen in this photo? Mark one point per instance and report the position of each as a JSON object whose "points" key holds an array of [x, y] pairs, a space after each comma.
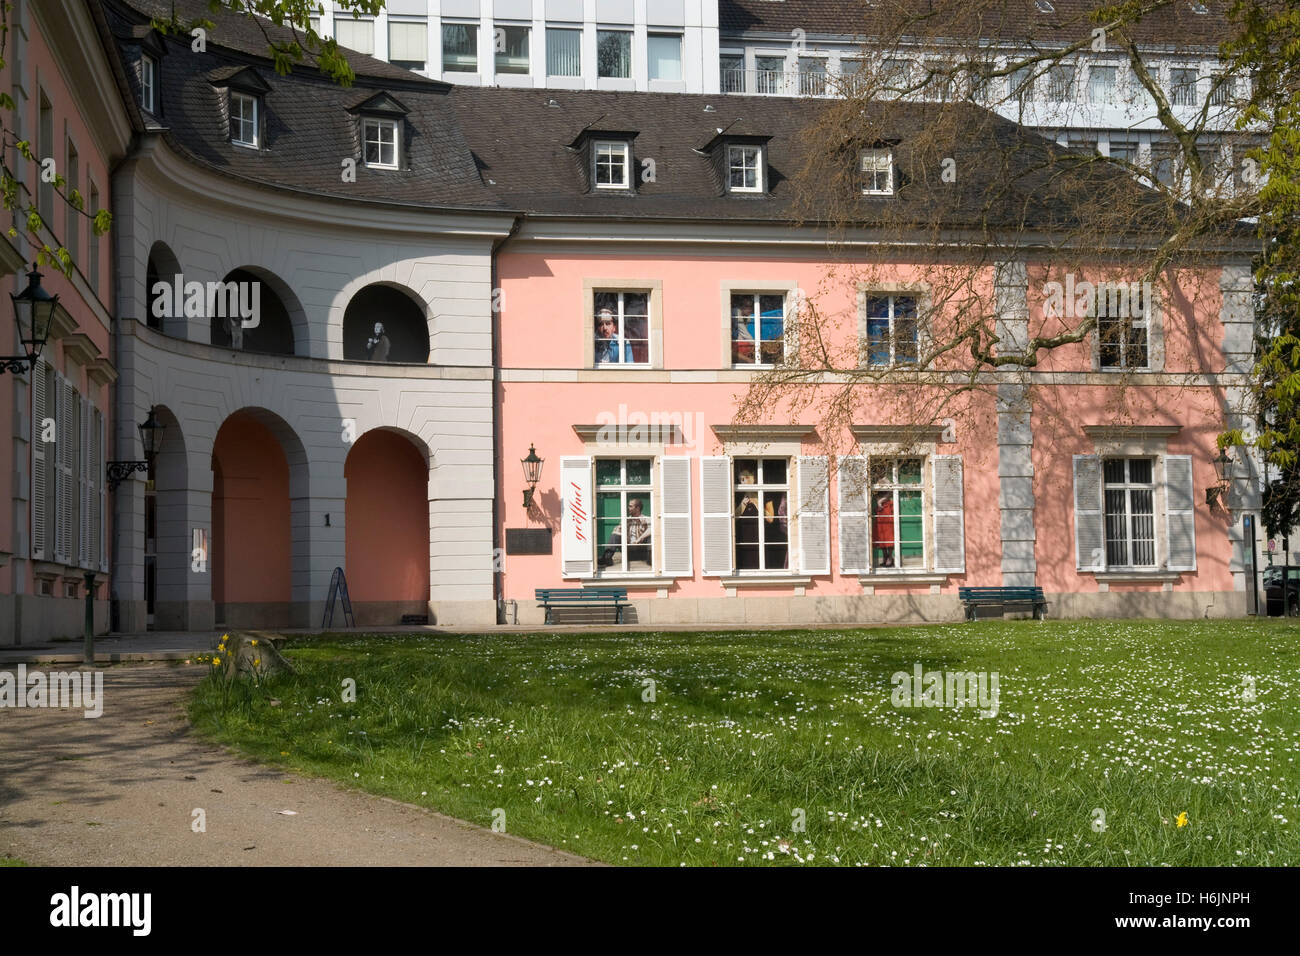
{"points": [[384, 135], [877, 168], [239, 123], [611, 156], [148, 83], [747, 163]]}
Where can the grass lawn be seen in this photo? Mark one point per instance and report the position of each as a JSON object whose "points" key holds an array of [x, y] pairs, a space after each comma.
{"points": [[11, 861], [784, 747]]}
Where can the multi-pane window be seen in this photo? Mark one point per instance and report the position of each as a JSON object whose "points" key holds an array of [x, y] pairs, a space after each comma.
{"points": [[897, 525], [733, 74], [757, 328], [621, 328], [762, 523], [1182, 86], [563, 52], [1060, 83], [624, 515], [381, 143], [898, 73], [1130, 513], [408, 43], [612, 162], [243, 119], [941, 80], [1122, 326], [891, 329], [812, 76], [459, 48], [1220, 89], [1021, 84], [1102, 82], [148, 84], [745, 169], [877, 167], [511, 47], [1126, 152], [664, 51], [769, 74], [614, 53]]}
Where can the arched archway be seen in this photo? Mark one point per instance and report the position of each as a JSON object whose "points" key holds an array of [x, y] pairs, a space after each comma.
{"points": [[163, 267], [405, 326], [167, 534], [277, 313], [387, 527], [252, 554]]}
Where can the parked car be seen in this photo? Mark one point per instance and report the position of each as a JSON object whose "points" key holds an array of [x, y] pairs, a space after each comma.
{"points": [[1282, 591]]}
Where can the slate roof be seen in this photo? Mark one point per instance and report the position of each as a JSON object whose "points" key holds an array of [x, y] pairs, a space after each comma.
{"points": [[308, 129], [1173, 26]]}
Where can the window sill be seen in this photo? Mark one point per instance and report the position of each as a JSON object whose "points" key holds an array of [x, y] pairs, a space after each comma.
{"points": [[1130, 577], [903, 577], [629, 581], [766, 580]]}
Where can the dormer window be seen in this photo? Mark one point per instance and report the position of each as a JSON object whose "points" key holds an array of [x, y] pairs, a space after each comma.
{"points": [[745, 169], [148, 83], [245, 109], [877, 168], [613, 160], [381, 150]]}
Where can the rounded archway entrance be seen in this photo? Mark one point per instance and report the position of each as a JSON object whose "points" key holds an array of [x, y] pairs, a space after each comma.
{"points": [[387, 528]]}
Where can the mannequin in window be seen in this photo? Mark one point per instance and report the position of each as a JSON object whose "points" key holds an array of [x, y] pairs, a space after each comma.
{"points": [[638, 536], [235, 328], [607, 339], [377, 345], [742, 339], [882, 529]]}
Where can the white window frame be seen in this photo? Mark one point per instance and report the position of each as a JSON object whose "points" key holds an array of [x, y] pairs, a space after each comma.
{"points": [[1143, 322], [237, 124], [893, 487], [381, 124], [758, 339], [622, 327], [761, 489], [148, 83], [498, 55], [872, 162], [893, 341], [1111, 97], [442, 48], [1128, 487], [611, 147], [631, 51], [681, 59], [625, 492], [756, 167], [1195, 86]]}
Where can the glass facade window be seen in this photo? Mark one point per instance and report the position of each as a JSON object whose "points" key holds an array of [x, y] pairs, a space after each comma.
{"points": [[459, 48], [664, 51], [891, 329], [511, 46], [563, 52], [621, 328], [757, 328], [624, 515], [897, 513], [762, 522], [614, 53]]}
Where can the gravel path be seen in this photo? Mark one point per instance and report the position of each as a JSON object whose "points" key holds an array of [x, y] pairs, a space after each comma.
{"points": [[120, 790]]}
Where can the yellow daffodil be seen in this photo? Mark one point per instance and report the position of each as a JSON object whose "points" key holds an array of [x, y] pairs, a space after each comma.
{"points": [[1181, 819]]}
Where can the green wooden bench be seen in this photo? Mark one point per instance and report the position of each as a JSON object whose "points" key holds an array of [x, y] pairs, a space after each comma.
{"points": [[1016, 599], [551, 598]]}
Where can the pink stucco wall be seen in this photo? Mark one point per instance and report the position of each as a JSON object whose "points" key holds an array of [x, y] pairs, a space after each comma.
{"points": [[544, 322]]}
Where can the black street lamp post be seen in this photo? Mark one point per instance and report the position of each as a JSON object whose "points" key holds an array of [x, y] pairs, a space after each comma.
{"points": [[151, 432], [34, 313]]}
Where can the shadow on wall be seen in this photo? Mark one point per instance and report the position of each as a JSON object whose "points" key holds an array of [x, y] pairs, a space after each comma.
{"points": [[384, 324]]}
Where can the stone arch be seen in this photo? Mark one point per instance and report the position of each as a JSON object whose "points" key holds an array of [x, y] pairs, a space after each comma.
{"points": [[404, 317], [168, 543], [387, 526], [163, 266], [281, 327]]}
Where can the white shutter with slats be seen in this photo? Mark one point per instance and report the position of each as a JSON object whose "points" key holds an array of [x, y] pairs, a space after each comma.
{"points": [[675, 515], [814, 515], [63, 444], [70, 442], [577, 522], [83, 482], [949, 515], [1180, 519], [1089, 521], [101, 476], [715, 506], [855, 555], [40, 494], [95, 479]]}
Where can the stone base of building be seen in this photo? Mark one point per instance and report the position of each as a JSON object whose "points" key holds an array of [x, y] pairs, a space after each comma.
{"points": [[36, 619], [463, 613]]}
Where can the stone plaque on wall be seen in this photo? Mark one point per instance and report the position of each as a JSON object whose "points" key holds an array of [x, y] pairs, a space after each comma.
{"points": [[528, 540]]}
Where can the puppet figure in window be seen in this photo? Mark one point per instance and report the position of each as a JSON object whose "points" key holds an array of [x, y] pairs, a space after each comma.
{"points": [[882, 530], [742, 336], [636, 526], [607, 339], [235, 327], [377, 345]]}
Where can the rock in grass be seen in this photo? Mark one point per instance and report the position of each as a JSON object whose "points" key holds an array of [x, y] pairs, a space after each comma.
{"points": [[252, 654]]}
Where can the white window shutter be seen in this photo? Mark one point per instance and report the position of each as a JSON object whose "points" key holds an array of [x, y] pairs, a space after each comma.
{"points": [[40, 509], [70, 442], [855, 555], [577, 522], [83, 483], [97, 492], [1089, 523], [814, 515], [715, 504], [675, 515], [949, 515], [1180, 519]]}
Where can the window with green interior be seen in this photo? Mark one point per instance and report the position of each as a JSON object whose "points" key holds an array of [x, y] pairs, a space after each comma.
{"points": [[624, 516], [897, 509]]}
